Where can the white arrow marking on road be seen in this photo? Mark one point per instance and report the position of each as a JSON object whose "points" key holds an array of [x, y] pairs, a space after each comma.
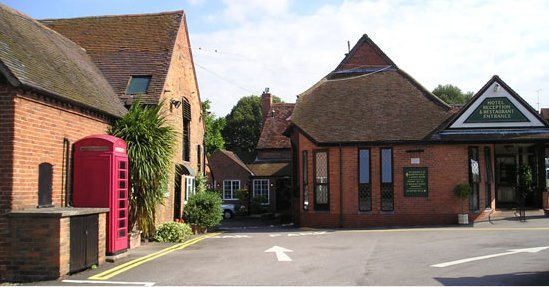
{"points": [[512, 251], [280, 253]]}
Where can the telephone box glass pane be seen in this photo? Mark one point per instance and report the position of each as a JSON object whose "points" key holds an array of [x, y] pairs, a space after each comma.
{"points": [[122, 165], [122, 214], [121, 204], [121, 233], [122, 194], [122, 223], [122, 184]]}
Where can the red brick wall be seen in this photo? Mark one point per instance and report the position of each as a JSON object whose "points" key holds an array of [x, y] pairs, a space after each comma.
{"points": [[447, 166], [39, 130], [274, 154], [41, 247], [33, 129], [35, 248], [181, 83], [224, 168]]}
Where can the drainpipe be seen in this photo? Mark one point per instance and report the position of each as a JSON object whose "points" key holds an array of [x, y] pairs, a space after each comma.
{"points": [[66, 173], [340, 188]]}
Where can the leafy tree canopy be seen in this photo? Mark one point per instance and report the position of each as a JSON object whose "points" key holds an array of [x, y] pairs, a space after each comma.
{"points": [[452, 94], [213, 137], [243, 126]]}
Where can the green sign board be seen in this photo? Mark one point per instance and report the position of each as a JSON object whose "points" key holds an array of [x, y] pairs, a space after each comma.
{"points": [[415, 181], [496, 110]]}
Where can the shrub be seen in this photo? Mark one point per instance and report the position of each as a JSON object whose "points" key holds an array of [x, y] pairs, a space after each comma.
{"points": [[204, 209], [256, 204], [172, 232], [243, 199]]}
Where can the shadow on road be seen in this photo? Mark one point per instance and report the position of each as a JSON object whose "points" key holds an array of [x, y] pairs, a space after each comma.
{"points": [[254, 224], [516, 279]]}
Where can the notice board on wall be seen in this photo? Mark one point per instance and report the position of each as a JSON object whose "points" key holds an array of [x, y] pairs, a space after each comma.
{"points": [[416, 181]]}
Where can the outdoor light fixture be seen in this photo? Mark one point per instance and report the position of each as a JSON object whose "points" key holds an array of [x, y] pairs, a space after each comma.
{"points": [[175, 103]]}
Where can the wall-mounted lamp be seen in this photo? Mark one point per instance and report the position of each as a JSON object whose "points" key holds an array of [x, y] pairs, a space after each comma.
{"points": [[496, 87], [175, 104]]}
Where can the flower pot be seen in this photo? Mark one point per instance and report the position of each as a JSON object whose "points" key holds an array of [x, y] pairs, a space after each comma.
{"points": [[463, 218]]}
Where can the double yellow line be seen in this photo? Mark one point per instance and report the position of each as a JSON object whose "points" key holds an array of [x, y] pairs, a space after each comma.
{"points": [[141, 260]]}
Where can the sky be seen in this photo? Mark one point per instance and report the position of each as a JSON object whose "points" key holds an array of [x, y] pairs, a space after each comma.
{"points": [[241, 47]]}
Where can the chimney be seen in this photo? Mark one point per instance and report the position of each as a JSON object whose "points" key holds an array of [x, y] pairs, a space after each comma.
{"points": [[266, 103]]}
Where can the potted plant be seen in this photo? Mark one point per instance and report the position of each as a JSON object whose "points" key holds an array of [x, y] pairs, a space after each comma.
{"points": [[462, 191]]}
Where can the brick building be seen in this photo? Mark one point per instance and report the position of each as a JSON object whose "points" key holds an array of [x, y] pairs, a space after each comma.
{"points": [[229, 174], [63, 80], [51, 94], [272, 166], [373, 147], [149, 55]]}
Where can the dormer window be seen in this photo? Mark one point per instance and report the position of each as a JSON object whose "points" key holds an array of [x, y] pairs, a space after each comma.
{"points": [[138, 85]]}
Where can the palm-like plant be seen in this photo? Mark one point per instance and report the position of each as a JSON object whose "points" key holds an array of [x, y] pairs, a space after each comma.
{"points": [[151, 144]]}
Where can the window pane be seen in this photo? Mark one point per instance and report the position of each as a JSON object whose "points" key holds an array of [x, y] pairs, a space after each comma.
{"points": [[386, 165], [364, 197], [321, 165], [261, 188], [364, 165], [138, 85], [321, 194], [227, 189]]}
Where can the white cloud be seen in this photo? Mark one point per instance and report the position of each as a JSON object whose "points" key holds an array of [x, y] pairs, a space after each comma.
{"points": [[462, 43], [241, 11]]}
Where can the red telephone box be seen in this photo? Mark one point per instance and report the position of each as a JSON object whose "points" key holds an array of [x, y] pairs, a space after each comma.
{"points": [[101, 180]]}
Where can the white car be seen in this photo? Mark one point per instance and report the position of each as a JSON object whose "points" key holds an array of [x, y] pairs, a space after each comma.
{"points": [[228, 210]]}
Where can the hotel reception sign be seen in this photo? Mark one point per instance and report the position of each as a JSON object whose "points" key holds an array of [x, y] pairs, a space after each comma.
{"points": [[496, 110]]}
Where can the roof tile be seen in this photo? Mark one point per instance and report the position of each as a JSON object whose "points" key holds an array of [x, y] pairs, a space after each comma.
{"points": [[126, 45], [39, 58], [385, 104], [276, 122]]}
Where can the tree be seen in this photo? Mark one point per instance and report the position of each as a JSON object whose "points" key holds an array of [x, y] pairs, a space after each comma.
{"points": [[213, 138], [243, 126], [452, 94], [151, 144]]}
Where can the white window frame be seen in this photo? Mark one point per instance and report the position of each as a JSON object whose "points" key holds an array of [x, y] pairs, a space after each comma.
{"points": [[232, 188], [258, 185], [190, 187]]}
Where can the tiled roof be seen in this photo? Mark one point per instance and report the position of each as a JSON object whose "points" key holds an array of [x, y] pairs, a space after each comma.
{"points": [[368, 99], [33, 56], [271, 169], [126, 45], [276, 122]]}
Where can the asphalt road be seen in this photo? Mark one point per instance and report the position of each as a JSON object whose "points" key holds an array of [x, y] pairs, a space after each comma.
{"points": [[505, 252]]}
